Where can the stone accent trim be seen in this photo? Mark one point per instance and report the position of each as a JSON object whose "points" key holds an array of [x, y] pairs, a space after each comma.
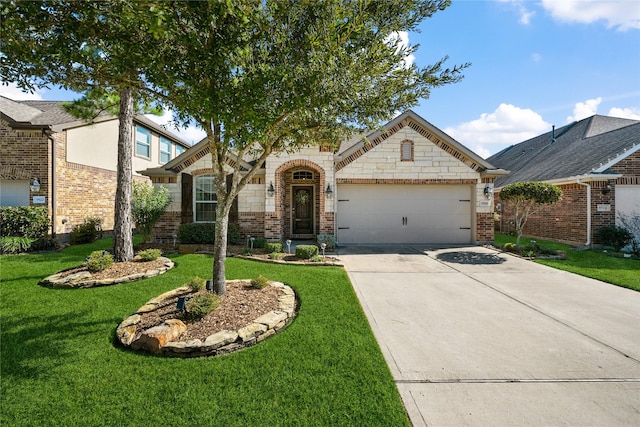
{"points": [[82, 279], [222, 342]]}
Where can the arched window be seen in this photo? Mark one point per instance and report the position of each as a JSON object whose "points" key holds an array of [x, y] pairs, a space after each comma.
{"points": [[406, 151], [303, 175]]}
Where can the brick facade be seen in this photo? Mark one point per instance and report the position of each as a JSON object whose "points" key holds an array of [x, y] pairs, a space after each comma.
{"points": [[566, 221]]}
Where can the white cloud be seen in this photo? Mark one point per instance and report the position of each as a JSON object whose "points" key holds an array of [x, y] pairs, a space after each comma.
{"points": [[536, 57], [505, 126], [525, 14], [191, 134], [14, 92], [624, 15], [625, 113], [582, 110]]}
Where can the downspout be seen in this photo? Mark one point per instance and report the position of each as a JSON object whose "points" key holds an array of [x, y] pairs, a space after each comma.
{"points": [[588, 186], [53, 186]]}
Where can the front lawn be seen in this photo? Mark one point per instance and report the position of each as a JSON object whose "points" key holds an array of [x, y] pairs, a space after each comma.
{"points": [[59, 365], [623, 272]]}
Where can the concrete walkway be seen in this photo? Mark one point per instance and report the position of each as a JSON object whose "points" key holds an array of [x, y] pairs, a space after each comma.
{"points": [[476, 337]]}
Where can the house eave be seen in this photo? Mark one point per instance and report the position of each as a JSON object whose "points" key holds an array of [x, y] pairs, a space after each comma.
{"points": [[591, 177], [610, 162]]}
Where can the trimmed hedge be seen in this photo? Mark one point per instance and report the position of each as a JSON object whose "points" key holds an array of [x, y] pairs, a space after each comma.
{"points": [[306, 251], [271, 247], [24, 221], [204, 233]]}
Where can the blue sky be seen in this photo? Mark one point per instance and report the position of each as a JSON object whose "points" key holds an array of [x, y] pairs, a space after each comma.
{"points": [[534, 64]]}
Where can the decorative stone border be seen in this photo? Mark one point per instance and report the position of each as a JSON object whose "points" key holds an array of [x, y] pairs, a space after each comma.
{"points": [[82, 279], [160, 339], [332, 263]]}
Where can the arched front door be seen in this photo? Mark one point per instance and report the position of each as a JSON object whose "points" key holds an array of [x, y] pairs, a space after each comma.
{"points": [[303, 209]]}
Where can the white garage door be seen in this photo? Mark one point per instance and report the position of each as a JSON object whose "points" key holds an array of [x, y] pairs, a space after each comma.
{"points": [[627, 202], [404, 214]]}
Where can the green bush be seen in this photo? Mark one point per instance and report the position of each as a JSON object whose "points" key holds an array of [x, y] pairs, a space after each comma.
{"points": [[24, 221], [615, 236], [148, 203], [271, 247], [510, 247], [275, 255], [328, 239], [196, 284], [306, 251], [201, 305], [259, 243], [149, 254], [197, 233], [89, 231], [233, 234], [15, 244], [98, 261], [259, 282]]}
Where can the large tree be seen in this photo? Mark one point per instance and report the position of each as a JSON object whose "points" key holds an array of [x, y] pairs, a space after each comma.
{"points": [[87, 46], [277, 75]]}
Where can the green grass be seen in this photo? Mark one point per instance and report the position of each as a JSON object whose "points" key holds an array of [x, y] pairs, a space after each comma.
{"points": [[623, 272], [59, 365]]}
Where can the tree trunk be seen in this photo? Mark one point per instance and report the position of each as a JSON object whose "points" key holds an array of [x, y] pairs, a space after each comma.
{"points": [[220, 252], [122, 234]]}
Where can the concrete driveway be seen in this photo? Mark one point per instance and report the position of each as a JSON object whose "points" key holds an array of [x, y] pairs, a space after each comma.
{"points": [[477, 337]]}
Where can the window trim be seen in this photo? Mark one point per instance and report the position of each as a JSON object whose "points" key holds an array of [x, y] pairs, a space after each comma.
{"points": [[196, 202], [147, 133], [403, 144], [162, 140]]}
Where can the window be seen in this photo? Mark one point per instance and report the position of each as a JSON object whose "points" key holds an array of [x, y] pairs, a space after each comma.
{"points": [[165, 150], [143, 142], [406, 151], [303, 175], [205, 200], [179, 150]]}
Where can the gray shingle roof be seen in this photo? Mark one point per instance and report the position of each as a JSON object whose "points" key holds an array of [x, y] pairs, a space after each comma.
{"points": [[580, 148], [51, 113]]}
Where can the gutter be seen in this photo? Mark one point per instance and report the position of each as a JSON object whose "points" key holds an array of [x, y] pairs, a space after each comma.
{"points": [[588, 186], [53, 185]]}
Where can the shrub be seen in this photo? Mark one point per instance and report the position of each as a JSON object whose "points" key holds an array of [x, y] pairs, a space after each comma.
{"points": [[306, 251], [89, 231], [196, 284], [148, 203], [98, 261], [316, 258], [233, 234], [24, 221], [328, 239], [149, 254], [15, 244], [275, 255], [615, 236], [271, 247], [259, 282], [197, 233], [201, 305], [632, 223], [246, 251], [259, 243], [510, 247]]}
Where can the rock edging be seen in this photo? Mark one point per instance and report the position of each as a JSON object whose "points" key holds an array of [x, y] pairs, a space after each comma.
{"points": [[161, 339], [82, 279]]}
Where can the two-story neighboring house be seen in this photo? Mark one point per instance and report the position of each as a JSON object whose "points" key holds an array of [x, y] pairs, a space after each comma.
{"points": [[408, 183], [50, 158]]}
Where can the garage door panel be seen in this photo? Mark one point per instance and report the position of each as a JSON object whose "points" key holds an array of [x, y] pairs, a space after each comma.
{"points": [[404, 214]]}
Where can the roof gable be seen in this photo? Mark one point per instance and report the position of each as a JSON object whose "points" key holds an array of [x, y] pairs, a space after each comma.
{"points": [[424, 128]]}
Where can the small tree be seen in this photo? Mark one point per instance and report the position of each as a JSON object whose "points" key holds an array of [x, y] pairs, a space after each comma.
{"points": [[147, 206], [525, 197], [632, 223]]}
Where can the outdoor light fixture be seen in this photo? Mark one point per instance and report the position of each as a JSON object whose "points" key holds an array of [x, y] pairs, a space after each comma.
{"points": [[488, 192], [329, 191], [607, 189], [271, 191], [34, 185]]}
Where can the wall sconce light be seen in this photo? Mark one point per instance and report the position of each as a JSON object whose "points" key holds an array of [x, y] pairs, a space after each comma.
{"points": [[271, 191], [488, 192], [329, 191], [607, 189], [34, 185]]}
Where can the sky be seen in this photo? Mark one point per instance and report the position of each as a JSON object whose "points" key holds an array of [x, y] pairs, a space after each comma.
{"points": [[534, 64]]}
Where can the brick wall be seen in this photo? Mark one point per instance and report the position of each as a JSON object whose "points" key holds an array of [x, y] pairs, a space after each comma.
{"points": [[484, 227]]}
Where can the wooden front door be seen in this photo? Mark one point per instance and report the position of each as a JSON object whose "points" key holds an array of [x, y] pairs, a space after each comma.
{"points": [[303, 210]]}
